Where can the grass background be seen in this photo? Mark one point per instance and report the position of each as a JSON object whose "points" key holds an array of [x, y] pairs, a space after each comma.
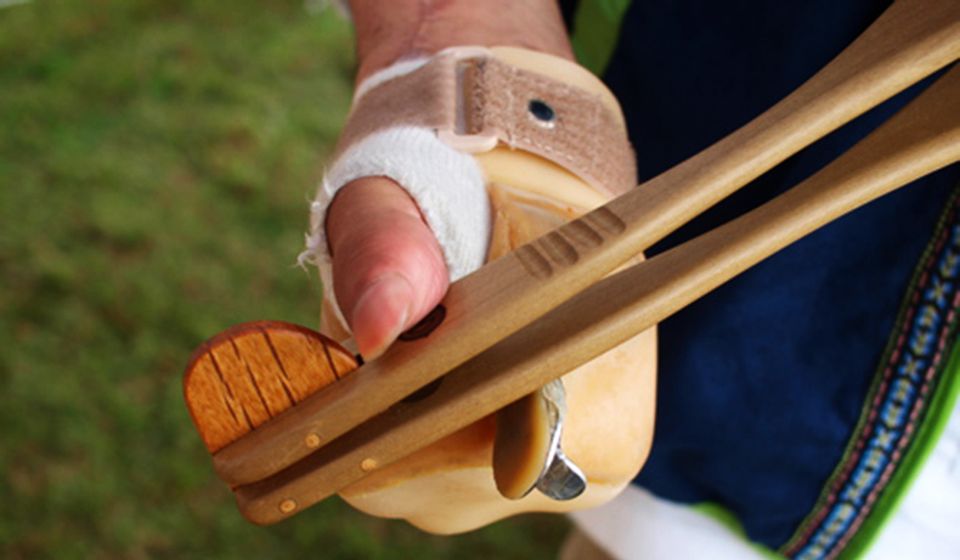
{"points": [[156, 158]]}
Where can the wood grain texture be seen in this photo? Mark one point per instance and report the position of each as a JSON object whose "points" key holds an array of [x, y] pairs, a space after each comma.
{"points": [[253, 372], [921, 138], [913, 39]]}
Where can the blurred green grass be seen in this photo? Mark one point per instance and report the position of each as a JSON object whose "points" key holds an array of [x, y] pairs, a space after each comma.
{"points": [[156, 157]]}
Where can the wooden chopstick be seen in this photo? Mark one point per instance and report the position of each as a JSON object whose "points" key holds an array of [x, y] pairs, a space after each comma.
{"points": [[921, 138], [913, 39]]}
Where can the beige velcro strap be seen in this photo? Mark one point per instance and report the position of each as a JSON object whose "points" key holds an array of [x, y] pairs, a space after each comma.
{"points": [[475, 101]]}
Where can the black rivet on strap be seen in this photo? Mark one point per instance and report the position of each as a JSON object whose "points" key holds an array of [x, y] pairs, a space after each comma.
{"points": [[542, 111]]}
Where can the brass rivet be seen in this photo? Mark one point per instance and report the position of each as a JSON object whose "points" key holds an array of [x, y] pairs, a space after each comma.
{"points": [[312, 441], [287, 506], [368, 465]]}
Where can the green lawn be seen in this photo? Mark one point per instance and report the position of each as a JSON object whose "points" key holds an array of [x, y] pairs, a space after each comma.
{"points": [[156, 158]]}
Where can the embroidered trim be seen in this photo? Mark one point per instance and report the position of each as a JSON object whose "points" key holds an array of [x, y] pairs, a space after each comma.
{"points": [[909, 373]]}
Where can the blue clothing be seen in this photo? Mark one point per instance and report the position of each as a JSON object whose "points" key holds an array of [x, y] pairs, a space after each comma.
{"points": [[762, 382]]}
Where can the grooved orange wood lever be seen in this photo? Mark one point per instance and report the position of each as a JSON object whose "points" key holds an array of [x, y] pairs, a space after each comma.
{"points": [[302, 455], [252, 372]]}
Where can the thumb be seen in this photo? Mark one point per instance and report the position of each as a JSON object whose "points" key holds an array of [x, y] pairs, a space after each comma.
{"points": [[388, 268]]}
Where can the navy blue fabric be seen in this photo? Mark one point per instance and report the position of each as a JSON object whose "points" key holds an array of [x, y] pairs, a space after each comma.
{"points": [[761, 383]]}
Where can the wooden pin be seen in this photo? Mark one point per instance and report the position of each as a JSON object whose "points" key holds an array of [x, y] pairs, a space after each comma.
{"points": [[287, 506]]}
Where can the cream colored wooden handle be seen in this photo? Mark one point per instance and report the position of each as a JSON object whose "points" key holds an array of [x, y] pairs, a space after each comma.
{"points": [[911, 40], [923, 137]]}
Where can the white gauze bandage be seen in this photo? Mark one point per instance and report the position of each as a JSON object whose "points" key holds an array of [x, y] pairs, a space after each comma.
{"points": [[447, 185]]}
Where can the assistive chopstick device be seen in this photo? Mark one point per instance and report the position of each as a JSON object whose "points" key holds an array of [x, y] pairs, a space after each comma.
{"points": [[535, 314]]}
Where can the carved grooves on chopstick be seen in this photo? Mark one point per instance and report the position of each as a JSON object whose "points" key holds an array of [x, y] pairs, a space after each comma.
{"points": [[250, 373], [558, 249]]}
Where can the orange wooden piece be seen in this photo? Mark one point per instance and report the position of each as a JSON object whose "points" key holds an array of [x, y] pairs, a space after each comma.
{"points": [[254, 371]]}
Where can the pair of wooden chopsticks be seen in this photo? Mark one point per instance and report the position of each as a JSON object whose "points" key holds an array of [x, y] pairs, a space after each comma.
{"points": [[539, 312]]}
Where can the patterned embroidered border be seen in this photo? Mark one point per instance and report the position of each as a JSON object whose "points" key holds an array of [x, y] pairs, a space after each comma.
{"points": [[899, 397]]}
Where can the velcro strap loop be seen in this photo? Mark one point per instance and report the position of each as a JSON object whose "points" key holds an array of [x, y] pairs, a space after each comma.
{"points": [[583, 136], [475, 101]]}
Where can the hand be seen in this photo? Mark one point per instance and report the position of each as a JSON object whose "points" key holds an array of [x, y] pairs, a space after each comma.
{"points": [[388, 268]]}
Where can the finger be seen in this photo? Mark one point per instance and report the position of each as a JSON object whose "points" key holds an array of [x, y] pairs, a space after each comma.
{"points": [[388, 268]]}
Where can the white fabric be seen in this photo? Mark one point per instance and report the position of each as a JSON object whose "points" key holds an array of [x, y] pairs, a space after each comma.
{"points": [[447, 185], [639, 526], [927, 523]]}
